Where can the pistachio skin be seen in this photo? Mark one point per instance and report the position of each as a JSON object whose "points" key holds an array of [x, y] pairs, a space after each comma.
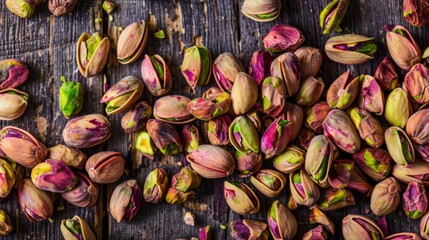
{"points": [[386, 74], [13, 73], [13, 103], [240, 198], [91, 54], [417, 127], [332, 15], [72, 157], [283, 37], [281, 222], [276, 138], [191, 137], [178, 197], [155, 186], [360, 227], [36, 204], [217, 129], [126, 201], [248, 163], [415, 12], [132, 41], [259, 66], [415, 200], [156, 75], [185, 180], [105, 167], [340, 173], [145, 145], [76, 228], [371, 96], [404, 51], [315, 115], [350, 49], [333, 199], [84, 194], [385, 197], [211, 161], [261, 11], [213, 104], [53, 176], [61, 7], [374, 162]]}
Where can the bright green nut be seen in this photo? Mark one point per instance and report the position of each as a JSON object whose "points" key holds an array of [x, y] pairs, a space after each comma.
{"points": [[21, 8], [71, 98]]}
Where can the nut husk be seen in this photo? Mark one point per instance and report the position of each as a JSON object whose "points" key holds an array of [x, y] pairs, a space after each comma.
{"points": [[13, 73]]}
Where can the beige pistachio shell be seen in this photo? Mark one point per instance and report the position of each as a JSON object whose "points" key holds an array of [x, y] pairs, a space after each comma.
{"points": [[347, 57], [244, 93], [269, 182], [12, 103], [132, 41], [173, 109], [99, 57], [385, 197], [241, 198], [87, 233]]}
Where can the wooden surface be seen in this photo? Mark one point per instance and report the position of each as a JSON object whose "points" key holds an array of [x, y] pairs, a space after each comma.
{"points": [[47, 45]]}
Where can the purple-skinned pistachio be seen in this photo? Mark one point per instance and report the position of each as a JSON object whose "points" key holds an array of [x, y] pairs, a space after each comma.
{"points": [[332, 15], [403, 236], [155, 186], [333, 199], [350, 49], [294, 114], [286, 67], [126, 200], [269, 182], [374, 162], [261, 11], [132, 41], [53, 176], [317, 216], [424, 226], [402, 48], [369, 127], [340, 173], [185, 180], [244, 229], [92, 53], [310, 91], [145, 145], [358, 182], [317, 233], [72, 157], [136, 118], [241, 198], [303, 190], [259, 66], [281, 222], [248, 163], [217, 130], [205, 233], [84, 194], [211, 161], [61, 7], [310, 60], [243, 135], [283, 37], [382, 223], [416, 82], [276, 138], [398, 108], [385, 197], [304, 138], [360, 227], [191, 137], [13, 103], [318, 160], [416, 12], [14, 73], [225, 69], [164, 136], [20, 146], [343, 91], [422, 151], [339, 128], [273, 96], [415, 200], [76, 228], [197, 66], [292, 204], [105, 167], [418, 128], [5, 223], [244, 93], [386, 74], [178, 197], [417, 171], [7, 178], [156, 75], [36, 204], [371, 96], [399, 146], [213, 104], [290, 160], [173, 109]]}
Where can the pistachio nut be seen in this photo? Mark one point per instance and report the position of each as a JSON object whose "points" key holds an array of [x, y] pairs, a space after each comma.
{"points": [[217, 129], [225, 69], [145, 145], [386, 75], [371, 97], [417, 171], [269, 182], [132, 41], [290, 160], [185, 180], [121, 96], [340, 173], [244, 93], [108, 6], [14, 73], [191, 137], [385, 197], [398, 108], [178, 197], [211, 161], [105, 167], [71, 98], [126, 200], [137, 117], [294, 114], [343, 91], [248, 163], [155, 186], [259, 66], [281, 222], [273, 96], [318, 160], [240, 198], [415, 12], [303, 190], [53, 176], [333, 199], [84, 194], [358, 182], [317, 216], [403, 235], [350, 49], [317, 233], [399, 146], [20, 146], [416, 82], [417, 127], [92, 53], [243, 135], [414, 200], [339, 128], [332, 15], [283, 37], [292, 204], [369, 127], [304, 138], [374, 162], [310, 60], [197, 66], [36, 204], [315, 115], [7, 179], [402, 48], [244, 229], [86, 131], [261, 11], [189, 219], [76, 228], [13, 103], [276, 138], [310, 91], [5, 223], [61, 7], [215, 104], [205, 233], [156, 75], [286, 67], [164, 136], [424, 226], [173, 109], [360, 227], [21, 8]]}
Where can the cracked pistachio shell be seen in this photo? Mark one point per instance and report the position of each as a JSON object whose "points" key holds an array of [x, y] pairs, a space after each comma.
{"points": [[310, 91], [53, 176], [248, 163], [164, 136], [343, 91], [243, 135], [403, 236], [417, 171], [191, 137], [173, 109], [340, 173], [145, 145], [303, 190], [386, 75], [371, 96], [84, 194], [22, 8], [317, 233], [20, 146], [7, 179], [259, 66], [339, 128], [86, 131], [276, 137], [241, 198], [415, 200], [317, 216], [310, 60], [217, 130], [92, 53], [225, 69], [105, 167], [369, 127], [269, 182], [417, 127], [76, 229], [360, 227], [197, 66], [61, 7], [185, 180], [294, 114], [244, 93], [126, 200], [398, 108], [132, 41], [121, 96], [5, 223], [286, 67], [244, 229], [178, 197], [261, 10], [358, 182], [350, 49], [36, 204], [416, 12], [332, 15], [318, 160], [416, 82], [385, 197], [333, 199], [281, 222], [137, 117], [283, 37], [14, 73], [13, 103], [156, 75], [424, 226], [315, 115], [273, 95], [402, 48], [155, 186], [374, 162], [213, 104], [211, 161], [71, 98], [399, 146], [290, 160]]}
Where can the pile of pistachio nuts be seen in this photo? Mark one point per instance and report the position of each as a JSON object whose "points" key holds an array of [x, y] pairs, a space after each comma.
{"points": [[362, 134]]}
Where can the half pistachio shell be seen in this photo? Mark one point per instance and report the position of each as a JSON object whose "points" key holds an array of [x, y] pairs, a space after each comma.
{"points": [[92, 53], [13, 103], [132, 41]]}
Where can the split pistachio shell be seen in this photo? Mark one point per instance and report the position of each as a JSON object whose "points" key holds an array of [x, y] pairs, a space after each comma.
{"points": [[243, 135], [332, 15], [418, 128], [276, 137], [385, 197], [360, 227], [273, 96], [269, 182], [317, 216], [281, 221], [92, 53], [317, 233], [286, 67], [290, 160], [84, 194], [132, 41], [36, 204], [386, 74], [249, 229], [7, 179], [105, 167], [374, 162], [72, 157], [71, 98], [350, 49], [398, 108], [303, 190], [248, 163], [211, 161], [343, 91], [310, 60], [334, 199], [240, 198], [318, 160], [76, 229], [244, 93], [156, 75], [402, 47], [13, 103], [339, 128], [191, 137], [164, 136], [53, 176], [310, 91], [197, 66], [14, 72], [225, 69], [259, 66], [415, 200], [5, 223], [155, 186], [261, 11], [137, 117], [315, 115], [283, 37], [399, 146], [369, 127], [417, 171], [173, 109], [294, 114], [371, 96], [126, 200]]}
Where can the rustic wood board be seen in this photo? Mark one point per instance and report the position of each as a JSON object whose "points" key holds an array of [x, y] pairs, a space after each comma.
{"points": [[47, 45]]}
